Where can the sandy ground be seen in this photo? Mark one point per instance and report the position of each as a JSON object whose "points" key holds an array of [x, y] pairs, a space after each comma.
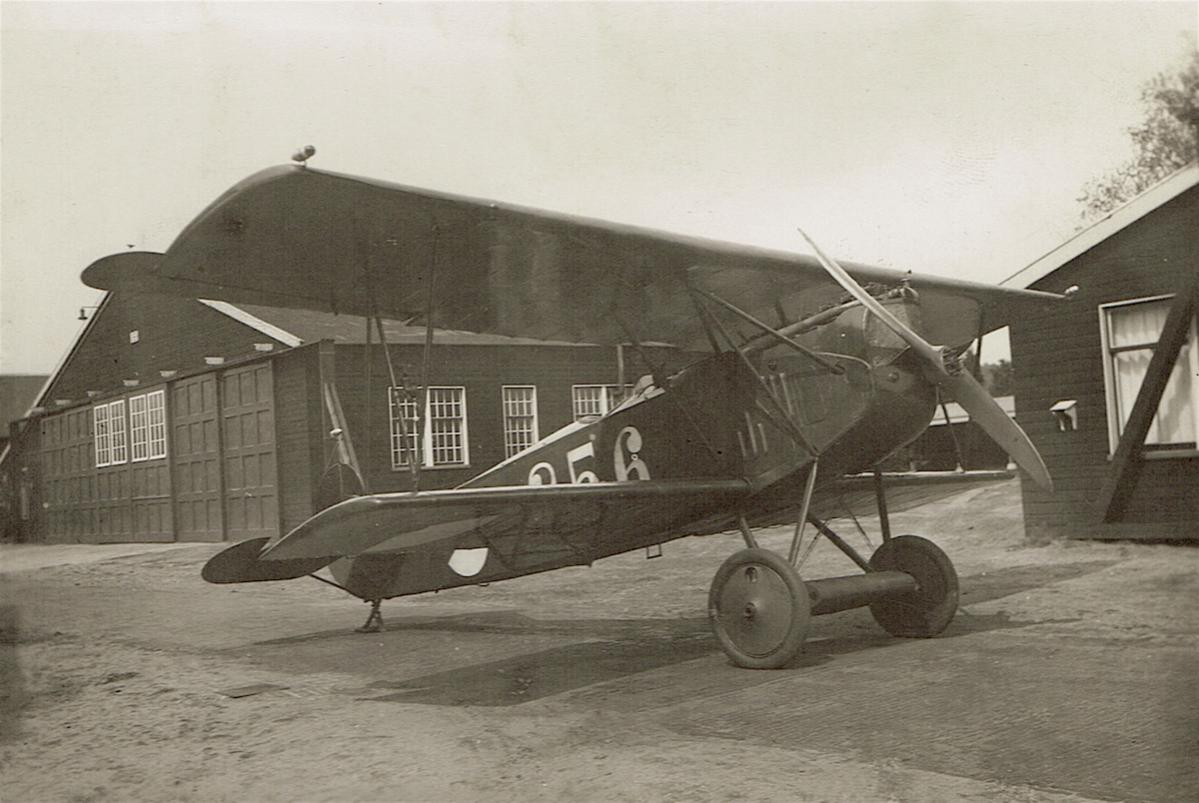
{"points": [[1070, 673]]}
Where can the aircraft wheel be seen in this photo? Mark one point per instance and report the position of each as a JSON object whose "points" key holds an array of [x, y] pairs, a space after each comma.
{"points": [[928, 610], [759, 609]]}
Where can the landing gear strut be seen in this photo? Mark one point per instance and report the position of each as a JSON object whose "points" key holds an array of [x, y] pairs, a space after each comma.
{"points": [[374, 621]]}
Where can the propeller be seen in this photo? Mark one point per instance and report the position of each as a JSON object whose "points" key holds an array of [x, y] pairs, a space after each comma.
{"points": [[942, 368]]}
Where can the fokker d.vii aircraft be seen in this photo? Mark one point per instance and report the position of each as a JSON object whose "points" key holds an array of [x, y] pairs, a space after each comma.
{"points": [[817, 373]]}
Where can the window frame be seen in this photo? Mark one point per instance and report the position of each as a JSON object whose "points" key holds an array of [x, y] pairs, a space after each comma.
{"points": [[147, 427], [101, 435], [139, 422], [1112, 400], [157, 423], [427, 451], [606, 403], [397, 398], [116, 414], [511, 443]]}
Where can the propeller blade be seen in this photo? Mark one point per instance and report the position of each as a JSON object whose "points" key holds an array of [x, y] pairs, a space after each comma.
{"points": [[929, 352], [964, 388], [983, 410]]}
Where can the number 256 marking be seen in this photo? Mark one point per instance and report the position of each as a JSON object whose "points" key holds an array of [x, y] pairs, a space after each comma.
{"points": [[626, 462]]}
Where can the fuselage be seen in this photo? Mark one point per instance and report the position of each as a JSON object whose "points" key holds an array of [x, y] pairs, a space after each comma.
{"points": [[765, 418]]}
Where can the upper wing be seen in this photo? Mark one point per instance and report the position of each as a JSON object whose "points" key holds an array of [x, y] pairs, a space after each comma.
{"points": [[296, 237]]}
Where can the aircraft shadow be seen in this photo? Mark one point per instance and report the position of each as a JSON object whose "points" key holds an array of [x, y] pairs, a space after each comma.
{"points": [[515, 623], [1017, 579], [617, 649]]}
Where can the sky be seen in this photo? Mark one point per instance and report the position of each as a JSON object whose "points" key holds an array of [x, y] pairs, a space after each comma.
{"points": [[945, 138]]}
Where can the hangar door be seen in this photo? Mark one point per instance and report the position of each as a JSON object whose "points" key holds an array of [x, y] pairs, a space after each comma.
{"points": [[248, 428], [197, 459]]}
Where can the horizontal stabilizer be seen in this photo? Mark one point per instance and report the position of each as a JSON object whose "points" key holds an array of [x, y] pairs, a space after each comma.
{"points": [[240, 564]]}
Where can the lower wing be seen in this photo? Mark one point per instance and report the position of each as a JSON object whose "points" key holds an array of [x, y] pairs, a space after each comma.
{"points": [[527, 528], [855, 494]]}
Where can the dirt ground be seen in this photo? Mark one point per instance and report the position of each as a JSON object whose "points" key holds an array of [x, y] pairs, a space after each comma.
{"points": [[1070, 673]]}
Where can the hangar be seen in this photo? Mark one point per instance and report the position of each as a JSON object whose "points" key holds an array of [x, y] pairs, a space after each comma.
{"points": [[173, 419], [1108, 386]]}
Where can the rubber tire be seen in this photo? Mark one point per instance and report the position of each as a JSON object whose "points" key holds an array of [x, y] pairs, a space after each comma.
{"points": [[930, 609], [725, 623]]}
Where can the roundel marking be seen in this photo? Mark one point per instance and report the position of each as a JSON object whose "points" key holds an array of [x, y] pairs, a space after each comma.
{"points": [[468, 562]]}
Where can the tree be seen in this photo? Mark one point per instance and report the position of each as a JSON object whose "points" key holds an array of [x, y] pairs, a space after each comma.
{"points": [[999, 378], [1163, 143]]}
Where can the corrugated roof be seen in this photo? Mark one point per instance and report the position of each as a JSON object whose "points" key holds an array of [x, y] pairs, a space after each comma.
{"points": [[309, 326], [1159, 194]]}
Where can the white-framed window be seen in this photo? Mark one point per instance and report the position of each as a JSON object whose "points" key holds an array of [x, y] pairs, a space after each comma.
{"points": [[520, 418], [116, 427], [592, 401], [103, 438], [157, 414], [139, 430], [147, 426], [402, 405], [1130, 331], [444, 439], [109, 433]]}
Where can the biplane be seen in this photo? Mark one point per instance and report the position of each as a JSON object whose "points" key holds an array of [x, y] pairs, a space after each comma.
{"points": [[812, 374]]}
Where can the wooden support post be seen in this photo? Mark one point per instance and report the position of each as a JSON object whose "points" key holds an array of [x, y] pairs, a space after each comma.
{"points": [[1126, 463]]}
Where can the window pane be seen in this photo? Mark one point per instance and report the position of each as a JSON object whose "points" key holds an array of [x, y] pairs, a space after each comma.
{"points": [[591, 401], [520, 419], [403, 404], [138, 428], [116, 426], [103, 440], [1142, 324], [156, 402], [1139, 324], [1175, 418], [588, 401], [446, 426]]}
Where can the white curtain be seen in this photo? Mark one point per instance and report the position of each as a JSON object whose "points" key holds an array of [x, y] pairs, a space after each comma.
{"points": [[1138, 328]]}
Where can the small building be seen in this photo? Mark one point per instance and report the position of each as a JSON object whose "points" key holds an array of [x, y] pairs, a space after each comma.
{"points": [[17, 394], [954, 441], [175, 419], [1108, 384]]}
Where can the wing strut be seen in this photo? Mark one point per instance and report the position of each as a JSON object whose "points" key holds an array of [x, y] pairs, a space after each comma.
{"points": [[836, 368], [656, 368], [788, 425], [370, 395], [402, 387], [424, 379]]}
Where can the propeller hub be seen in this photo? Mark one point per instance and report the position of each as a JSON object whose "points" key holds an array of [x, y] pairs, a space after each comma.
{"points": [[951, 361]]}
